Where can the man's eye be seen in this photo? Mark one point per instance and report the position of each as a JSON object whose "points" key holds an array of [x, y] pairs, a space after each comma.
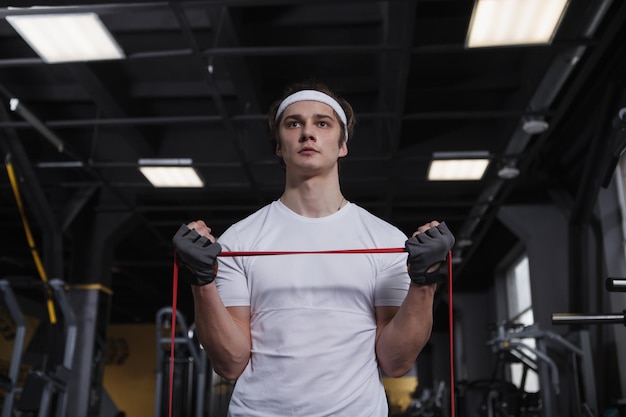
{"points": [[293, 124], [323, 124]]}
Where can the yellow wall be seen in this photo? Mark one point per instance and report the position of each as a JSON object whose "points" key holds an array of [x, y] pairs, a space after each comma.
{"points": [[7, 341], [130, 368], [399, 392]]}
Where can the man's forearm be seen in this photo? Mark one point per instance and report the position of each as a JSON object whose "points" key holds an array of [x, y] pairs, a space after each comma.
{"points": [[403, 337], [224, 334]]}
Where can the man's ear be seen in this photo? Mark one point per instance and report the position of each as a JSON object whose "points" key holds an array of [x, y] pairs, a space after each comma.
{"points": [[278, 152], [343, 150]]}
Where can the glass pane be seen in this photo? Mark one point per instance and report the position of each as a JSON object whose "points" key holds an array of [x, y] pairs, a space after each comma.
{"points": [[519, 302], [518, 288]]}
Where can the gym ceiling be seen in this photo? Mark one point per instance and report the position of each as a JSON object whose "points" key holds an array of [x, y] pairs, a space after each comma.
{"points": [[196, 80]]}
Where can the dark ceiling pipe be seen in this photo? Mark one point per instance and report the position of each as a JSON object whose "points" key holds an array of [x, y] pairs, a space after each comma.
{"points": [[116, 7], [161, 120]]}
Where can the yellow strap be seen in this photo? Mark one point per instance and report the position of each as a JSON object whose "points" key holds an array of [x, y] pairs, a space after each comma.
{"points": [[31, 241]]}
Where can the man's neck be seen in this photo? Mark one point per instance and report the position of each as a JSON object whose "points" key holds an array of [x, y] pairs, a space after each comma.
{"points": [[314, 197]]}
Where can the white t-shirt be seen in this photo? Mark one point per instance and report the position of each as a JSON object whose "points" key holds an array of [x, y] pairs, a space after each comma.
{"points": [[313, 322]]}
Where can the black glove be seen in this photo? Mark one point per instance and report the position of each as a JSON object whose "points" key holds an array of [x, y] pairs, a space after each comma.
{"points": [[427, 249], [197, 256]]}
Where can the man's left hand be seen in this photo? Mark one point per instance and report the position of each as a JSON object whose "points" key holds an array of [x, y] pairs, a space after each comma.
{"points": [[428, 249]]}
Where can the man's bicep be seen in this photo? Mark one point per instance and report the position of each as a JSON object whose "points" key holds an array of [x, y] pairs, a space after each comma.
{"points": [[383, 316], [241, 316]]}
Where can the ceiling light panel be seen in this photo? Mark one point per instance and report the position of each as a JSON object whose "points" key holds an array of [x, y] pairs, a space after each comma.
{"points": [[170, 173], [514, 22], [453, 166], [67, 37]]}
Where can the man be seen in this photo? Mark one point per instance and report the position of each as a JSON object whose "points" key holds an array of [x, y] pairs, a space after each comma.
{"points": [[308, 334]]}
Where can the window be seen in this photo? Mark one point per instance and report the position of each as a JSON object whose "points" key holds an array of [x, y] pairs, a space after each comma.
{"points": [[520, 310], [620, 176]]}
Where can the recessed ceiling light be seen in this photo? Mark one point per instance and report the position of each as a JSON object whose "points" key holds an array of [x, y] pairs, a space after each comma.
{"points": [[458, 166], [171, 173], [67, 37], [514, 22]]}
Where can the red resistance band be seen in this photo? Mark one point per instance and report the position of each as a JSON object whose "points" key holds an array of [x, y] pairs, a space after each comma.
{"points": [[338, 251], [451, 334], [323, 252], [174, 307]]}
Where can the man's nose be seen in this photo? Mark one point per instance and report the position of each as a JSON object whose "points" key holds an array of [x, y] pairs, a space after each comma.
{"points": [[307, 133]]}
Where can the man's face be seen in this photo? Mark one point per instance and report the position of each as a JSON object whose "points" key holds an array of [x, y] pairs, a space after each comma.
{"points": [[309, 137]]}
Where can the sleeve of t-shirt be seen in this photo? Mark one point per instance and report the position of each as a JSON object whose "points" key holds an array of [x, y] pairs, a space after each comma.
{"points": [[392, 280], [231, 280]]}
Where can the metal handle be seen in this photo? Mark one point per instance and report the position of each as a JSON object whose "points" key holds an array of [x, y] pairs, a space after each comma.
{"points": [[570, 318], [616, 284]]}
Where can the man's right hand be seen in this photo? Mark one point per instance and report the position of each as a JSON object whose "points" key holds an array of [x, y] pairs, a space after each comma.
{"points": [[196, 253]]}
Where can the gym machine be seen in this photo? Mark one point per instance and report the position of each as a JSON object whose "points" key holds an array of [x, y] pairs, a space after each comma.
{"points": [[10, 381], [196, 389], [42, 389], [548, 357], [613, 285], [189, 370], [427, 402]]}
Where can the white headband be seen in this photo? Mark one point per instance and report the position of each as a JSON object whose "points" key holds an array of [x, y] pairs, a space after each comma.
{"points": [[314, 95]]}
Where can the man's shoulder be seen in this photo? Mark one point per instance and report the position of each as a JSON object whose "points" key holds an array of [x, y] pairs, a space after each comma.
{"points": [[249, 223], [373, 220], [257, 215]]}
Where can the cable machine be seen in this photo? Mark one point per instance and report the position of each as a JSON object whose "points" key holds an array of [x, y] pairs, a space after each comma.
{"points": [[10, 381], [188, 381], [549, 356], [43, 388], [612, 285]]}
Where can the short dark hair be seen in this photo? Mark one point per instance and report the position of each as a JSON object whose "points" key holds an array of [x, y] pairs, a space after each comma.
{"points": [[273, 124]]}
